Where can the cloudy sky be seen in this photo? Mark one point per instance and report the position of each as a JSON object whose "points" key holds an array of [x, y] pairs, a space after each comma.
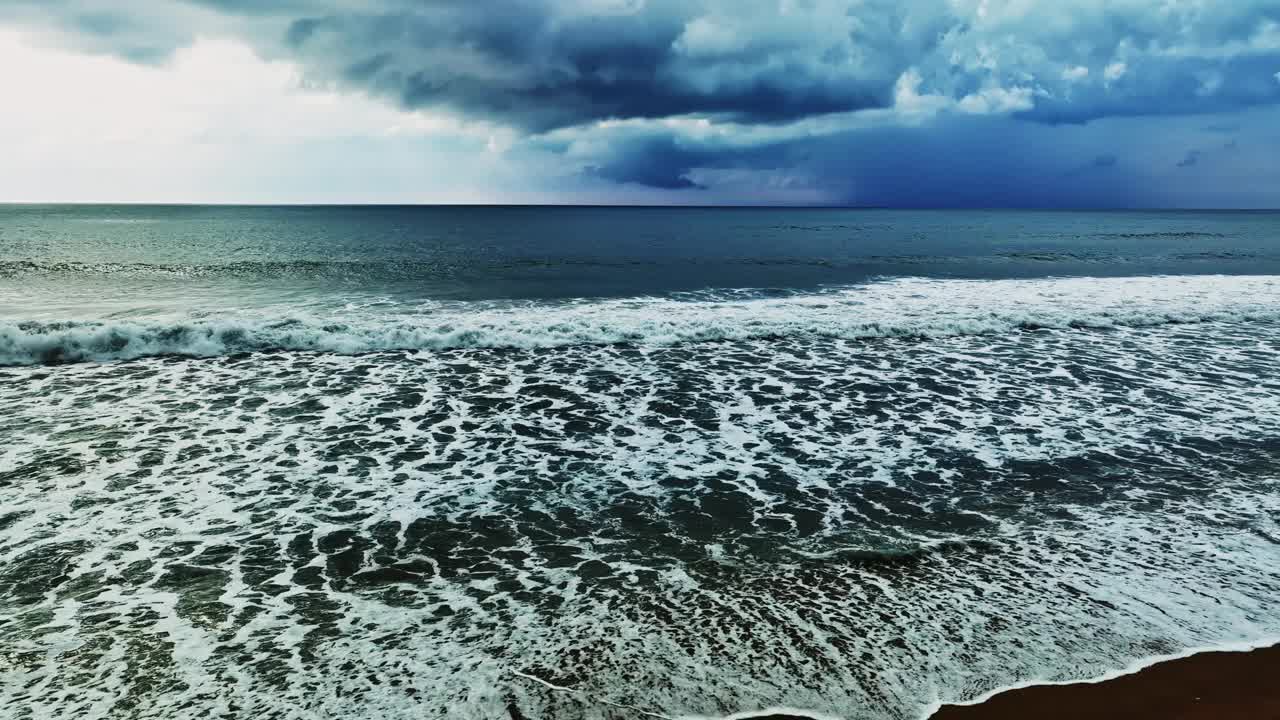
{"points": [[1097, 103]]}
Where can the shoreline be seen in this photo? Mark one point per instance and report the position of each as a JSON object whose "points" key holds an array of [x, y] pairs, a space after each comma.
{"points": [[1239, 682]]}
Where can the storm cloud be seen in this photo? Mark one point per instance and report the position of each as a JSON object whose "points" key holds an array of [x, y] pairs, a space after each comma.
{"points": [[780, 79]]}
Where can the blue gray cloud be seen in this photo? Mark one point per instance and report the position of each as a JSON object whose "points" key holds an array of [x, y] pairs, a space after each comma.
{"points": [[789, 81], [542, 64]]}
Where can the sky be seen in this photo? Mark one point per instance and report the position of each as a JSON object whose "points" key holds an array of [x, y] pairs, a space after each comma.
{"points": [[904, 103]]}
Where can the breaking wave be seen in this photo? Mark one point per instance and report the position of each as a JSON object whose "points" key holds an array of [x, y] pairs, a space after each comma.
{"points": [[901, 308]]}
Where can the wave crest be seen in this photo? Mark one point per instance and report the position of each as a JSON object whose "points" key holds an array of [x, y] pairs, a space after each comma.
{"points": [[904, 308]]}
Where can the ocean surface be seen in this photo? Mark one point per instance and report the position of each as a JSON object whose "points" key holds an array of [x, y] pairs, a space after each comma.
{"points": [[589, 464]]}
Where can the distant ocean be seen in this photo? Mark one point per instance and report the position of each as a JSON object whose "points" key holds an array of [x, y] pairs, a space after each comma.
{"points": [[587, 463]]}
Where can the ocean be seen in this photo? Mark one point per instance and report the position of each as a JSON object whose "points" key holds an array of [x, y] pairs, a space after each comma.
{"points": [[592, 463]]}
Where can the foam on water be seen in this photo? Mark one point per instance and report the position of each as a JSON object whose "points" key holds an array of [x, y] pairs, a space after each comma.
{"points": [[1131, 669], [859, 526], [893, 308]]}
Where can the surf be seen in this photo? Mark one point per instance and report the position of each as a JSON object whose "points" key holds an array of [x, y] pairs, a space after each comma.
{"points": [[891, 308]]}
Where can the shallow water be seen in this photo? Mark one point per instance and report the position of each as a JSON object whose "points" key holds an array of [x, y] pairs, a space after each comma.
{"points": [[372, 499]]}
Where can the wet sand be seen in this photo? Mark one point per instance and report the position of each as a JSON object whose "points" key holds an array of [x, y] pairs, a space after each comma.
{"points": [[1209, 686]]}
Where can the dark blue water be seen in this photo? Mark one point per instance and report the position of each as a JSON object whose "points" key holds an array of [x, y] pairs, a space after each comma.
{"points": [[587, 464], [473, 253]]}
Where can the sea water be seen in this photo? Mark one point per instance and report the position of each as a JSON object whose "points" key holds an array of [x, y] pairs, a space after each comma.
{"points": [[572, 463]]}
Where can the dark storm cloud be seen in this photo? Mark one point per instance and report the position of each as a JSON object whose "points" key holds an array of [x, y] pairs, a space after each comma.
{"points": [[541, 64], [979, 88], [655, 161], [1163, 87], [666, 160], [529, 64], [970, 161], [538, 66], [1101, 163]]}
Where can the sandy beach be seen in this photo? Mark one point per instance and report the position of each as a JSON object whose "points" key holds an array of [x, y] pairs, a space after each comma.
{"points": [[1208, 686]]}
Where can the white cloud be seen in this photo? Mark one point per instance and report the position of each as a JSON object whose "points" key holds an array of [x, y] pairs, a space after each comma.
{"points": [[1078, 72], [996, 100], [910, 102], [214, 88], [92, 127], [1115, 71], [908, 99], [705, 37]]}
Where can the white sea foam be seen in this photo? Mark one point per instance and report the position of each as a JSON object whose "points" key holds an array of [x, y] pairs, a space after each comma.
{"points": [[1132, 668], [895, 308], [598, 531], [766, 713]]}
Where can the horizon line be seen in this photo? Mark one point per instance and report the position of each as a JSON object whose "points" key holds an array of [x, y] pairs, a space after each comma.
{"points": [[632, 206]]}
